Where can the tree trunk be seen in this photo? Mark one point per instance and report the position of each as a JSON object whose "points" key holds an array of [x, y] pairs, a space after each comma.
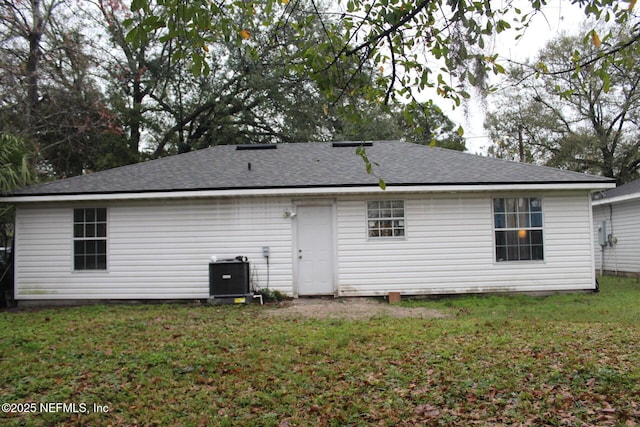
{"points": [[33, 60], [136, 118]]}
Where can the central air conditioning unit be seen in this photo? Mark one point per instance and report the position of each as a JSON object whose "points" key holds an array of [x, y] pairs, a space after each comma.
{"points": [[229, 281]]}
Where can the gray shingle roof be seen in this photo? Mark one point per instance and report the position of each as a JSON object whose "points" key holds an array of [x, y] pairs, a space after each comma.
{"points": [[307, 165], [627, 189]]}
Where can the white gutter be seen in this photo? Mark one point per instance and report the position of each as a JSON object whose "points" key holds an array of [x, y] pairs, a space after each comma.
{"points": [[625, 198], [308, 191]]}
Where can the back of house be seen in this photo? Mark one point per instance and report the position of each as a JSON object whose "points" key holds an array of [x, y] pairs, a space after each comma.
{"points": [[309, 220]]}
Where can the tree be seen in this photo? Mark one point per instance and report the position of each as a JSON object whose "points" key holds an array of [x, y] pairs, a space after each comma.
{"points": [[586, 121], [78, 133], [403, 38], [89, 91], [23, 29], [133, 72], [256, 88], [247, 94], [50, 95], [426, 125], [247, 97], [512, 126], [15, 168], [429, 125], [15, 172]]}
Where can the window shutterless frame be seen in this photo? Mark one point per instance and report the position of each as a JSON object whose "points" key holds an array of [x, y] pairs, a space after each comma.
{"points": [[89, 239], [386, 219], [518, 229]]}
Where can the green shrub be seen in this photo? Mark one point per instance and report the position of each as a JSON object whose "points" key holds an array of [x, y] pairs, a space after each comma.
{"points": [[270, 295]]}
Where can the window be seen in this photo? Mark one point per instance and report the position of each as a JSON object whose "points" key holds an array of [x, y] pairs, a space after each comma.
{"points": [[90, 239], [518, 228], [385, 218]]}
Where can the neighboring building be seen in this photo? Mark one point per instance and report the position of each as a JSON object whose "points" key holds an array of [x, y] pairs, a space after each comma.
{"points": [[448, 222], [616, 218]]}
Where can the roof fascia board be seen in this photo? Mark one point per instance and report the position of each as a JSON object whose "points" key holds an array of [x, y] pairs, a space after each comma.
{"points": [[625, 198], [395, 189]]}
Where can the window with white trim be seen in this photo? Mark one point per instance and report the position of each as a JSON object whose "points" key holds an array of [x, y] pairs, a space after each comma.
{"points": [[385, 218], [90, 239], [518, 228]]}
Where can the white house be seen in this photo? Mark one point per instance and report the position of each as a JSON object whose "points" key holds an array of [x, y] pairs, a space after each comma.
{"points": [[616, 216], [447, 222]]}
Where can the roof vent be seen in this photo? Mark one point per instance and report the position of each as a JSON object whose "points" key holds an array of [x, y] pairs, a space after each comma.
{"points": [[256, 147], [352, 144]]}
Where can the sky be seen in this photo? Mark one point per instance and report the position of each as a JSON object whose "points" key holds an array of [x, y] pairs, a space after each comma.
{"points": [[559, 16]]}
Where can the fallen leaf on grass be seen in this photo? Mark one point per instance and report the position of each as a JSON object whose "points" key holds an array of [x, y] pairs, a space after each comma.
{"points": [[427, 411]]}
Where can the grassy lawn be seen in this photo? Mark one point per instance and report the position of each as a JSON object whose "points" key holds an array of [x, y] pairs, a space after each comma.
{"points": [[569, 360]]}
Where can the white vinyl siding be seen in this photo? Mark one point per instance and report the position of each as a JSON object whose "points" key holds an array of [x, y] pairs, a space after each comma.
{"points": [[623, 223], [156, 249], [450, 249], [160, 249]]}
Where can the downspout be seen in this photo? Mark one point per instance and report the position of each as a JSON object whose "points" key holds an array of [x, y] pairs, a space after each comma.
{"points": [[611, 242], [594, 271], [602, 247]]}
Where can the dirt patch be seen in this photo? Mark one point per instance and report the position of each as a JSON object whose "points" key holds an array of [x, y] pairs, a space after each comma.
{"points": [[348, 308]]}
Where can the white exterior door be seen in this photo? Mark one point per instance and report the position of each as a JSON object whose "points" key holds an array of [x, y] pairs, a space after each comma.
{"points": [[314, 251]]}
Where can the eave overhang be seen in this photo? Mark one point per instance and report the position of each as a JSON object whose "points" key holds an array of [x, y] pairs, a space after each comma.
{"points": [[618, 199], [312, 191]]}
